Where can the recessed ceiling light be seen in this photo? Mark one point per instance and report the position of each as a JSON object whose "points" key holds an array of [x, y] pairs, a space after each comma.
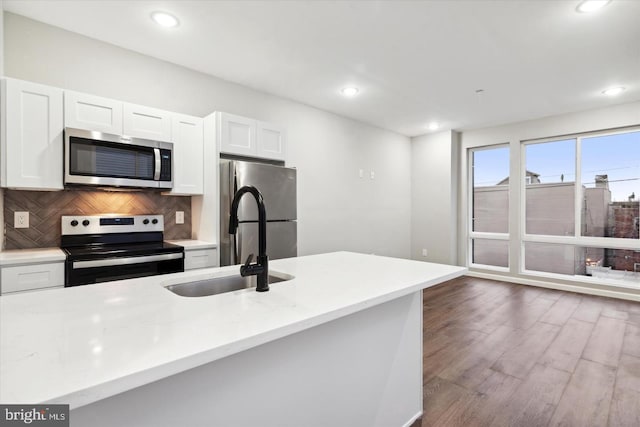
{"points": [[434, 126], [587, 6], [349, 91], [165, 19], [613, 91]]}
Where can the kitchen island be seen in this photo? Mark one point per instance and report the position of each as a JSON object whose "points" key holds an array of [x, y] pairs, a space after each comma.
{"points": [[340, 344]]}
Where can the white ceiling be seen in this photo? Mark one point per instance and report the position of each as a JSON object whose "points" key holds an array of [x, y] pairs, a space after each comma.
{"points": [[414, 61]]}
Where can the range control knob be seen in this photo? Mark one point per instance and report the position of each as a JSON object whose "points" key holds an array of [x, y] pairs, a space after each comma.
{"points": [[145, 222], [155, 221], [74, 222], [85, 222]]}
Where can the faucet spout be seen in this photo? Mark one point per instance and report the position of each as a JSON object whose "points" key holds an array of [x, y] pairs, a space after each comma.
{"points": [[261, 267]]}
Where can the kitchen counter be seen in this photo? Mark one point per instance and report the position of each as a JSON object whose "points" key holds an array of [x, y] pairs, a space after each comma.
{"points": [[83, 344], [192, 245], [31, 256]]}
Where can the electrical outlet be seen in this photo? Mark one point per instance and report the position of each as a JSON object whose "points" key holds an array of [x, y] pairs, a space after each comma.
{"points": [[21, 220], [372, 175], [179, 217], [424, 252]]}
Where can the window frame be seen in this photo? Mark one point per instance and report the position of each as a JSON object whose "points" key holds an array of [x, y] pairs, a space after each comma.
{"points": [[471, 235]]}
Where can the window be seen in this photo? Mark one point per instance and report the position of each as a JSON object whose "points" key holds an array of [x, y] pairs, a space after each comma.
{"points": [[490, 206], [611, 185], [550, 187], [578, 212]]}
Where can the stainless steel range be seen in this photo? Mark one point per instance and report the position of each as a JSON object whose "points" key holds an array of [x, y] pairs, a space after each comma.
{"points": [[112, 247]]}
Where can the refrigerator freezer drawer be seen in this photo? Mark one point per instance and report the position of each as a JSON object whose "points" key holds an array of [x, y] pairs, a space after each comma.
{"points": [[277, 185]]}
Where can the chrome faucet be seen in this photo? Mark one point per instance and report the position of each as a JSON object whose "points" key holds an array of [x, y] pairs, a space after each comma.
{"points": [[261, 267]]}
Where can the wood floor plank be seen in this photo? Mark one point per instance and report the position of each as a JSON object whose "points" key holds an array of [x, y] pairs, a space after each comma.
{"points": [[533, 402], [586, 399], [632, 340], [561, 310], [565, 351], [625, 405], [629, 373], [438, 396], [588, 310], [436, 341], [526, 318], [473, 367], [625, 408], [605, 344], [483, 406], [520, 359]]}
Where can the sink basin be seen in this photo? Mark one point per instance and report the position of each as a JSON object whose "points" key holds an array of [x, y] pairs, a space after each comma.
{"points": [[219, 285]]}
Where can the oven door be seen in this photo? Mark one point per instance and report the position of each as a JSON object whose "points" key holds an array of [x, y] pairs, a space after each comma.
{"points": [[95, 158], [98, 270]]}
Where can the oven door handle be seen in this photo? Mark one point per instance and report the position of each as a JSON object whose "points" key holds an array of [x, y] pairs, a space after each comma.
{"points": [[126, 260]]}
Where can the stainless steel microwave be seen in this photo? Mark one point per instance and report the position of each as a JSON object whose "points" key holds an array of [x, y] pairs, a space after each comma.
{"points": [[101, 159]]}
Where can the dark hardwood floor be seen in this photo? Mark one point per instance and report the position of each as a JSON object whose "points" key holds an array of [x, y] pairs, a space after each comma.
{"points": [[500, 354]]}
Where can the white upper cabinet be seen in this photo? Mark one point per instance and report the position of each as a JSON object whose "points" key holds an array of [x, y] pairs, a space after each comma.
{"points": [[271, 141], [83, 111], [146, 122], [238, 135], [248, 137], [32, 127], [188, 160]]}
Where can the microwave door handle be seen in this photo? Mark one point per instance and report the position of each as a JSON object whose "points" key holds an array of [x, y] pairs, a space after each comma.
{"points": [[156, 173]]}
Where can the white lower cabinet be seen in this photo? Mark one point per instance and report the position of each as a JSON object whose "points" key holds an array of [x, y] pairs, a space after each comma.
{"points": [[201, 258], [19, 278]]}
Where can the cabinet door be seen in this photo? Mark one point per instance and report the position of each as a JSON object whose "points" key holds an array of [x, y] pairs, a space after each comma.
{"points": [[145, 122], [200, 259], [32, 122], [83, 111], [188, 143], [34, 276], [238, 135], [271, 141]]}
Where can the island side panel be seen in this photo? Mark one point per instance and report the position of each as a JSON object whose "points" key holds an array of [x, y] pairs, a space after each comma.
{"points": [[364, 369]]}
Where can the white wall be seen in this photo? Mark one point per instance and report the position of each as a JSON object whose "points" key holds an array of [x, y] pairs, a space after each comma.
{"points": [[337, 209], [434, 209]]}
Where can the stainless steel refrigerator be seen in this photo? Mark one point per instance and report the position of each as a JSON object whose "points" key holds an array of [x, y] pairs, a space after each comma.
{"points": [[278, 187]]}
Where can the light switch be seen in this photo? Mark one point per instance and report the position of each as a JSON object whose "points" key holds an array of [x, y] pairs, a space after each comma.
{"points": [[372, 175], [21, 220], [179, 217]]}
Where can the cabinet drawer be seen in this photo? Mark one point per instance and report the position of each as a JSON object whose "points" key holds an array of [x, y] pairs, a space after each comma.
{"points": [[33, 276], [200, 259]]}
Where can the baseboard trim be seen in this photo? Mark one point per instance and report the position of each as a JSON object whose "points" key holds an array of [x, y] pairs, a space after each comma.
{"points": [[413, 419], [558, 286]]}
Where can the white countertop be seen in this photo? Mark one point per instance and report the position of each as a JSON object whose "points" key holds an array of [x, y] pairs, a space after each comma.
{"points": [[82, 344], [31, 256], [192, 245]]}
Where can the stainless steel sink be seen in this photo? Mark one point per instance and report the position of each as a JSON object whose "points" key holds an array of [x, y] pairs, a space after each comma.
{"points": [[220, 285]]}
